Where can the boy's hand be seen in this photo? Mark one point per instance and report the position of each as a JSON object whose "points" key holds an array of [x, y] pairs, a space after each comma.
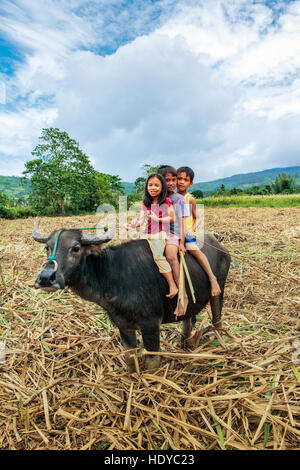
{"points": [[190, 233], [182, 248]]}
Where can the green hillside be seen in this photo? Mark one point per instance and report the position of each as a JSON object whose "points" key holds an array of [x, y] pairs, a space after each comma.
{"points": [[128, 187], [247, 180], [12, 186], [242, 180]]}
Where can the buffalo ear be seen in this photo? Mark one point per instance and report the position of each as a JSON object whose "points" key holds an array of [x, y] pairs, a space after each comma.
{"points": [[92, 250]]}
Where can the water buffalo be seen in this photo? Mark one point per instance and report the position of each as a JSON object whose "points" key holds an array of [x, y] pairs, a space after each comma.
{"points": [[125, 281]]}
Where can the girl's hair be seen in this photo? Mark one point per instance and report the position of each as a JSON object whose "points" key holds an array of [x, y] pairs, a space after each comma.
{"points": [[164, 191]]}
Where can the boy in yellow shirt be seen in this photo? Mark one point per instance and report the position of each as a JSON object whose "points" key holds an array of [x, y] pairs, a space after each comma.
{"points": [[185, 177]]}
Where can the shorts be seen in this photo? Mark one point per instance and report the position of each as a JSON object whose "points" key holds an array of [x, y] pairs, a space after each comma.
{"points": [[172, 240], [191, 242], [190, 239], [157, 243]]}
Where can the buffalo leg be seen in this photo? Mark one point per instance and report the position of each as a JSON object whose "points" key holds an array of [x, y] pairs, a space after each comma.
{"points": [[187, 326], [129, 342], [151, 339], [216, 304]]}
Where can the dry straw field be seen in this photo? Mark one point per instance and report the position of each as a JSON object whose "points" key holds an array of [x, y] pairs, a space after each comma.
{"points": [[63, 383]]}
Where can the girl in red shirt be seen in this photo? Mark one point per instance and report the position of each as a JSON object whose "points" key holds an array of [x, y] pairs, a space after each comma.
{"points": [[158, 209]]}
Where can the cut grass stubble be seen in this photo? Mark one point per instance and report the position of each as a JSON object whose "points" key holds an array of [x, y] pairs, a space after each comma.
{"points": [[64, 386]]}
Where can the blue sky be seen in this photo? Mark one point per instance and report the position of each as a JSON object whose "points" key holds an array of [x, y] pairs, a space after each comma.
{"points": [[213, 85]]}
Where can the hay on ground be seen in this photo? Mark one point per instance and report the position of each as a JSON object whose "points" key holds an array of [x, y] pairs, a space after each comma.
{"points": [[63, 383]]}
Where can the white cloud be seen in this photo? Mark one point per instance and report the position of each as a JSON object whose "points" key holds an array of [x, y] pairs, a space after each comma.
{"points": [[48, 28], [213, 85], [278, 102], [11, 166], [219, 30], [2, 93], [146, 103], [18, 130]]}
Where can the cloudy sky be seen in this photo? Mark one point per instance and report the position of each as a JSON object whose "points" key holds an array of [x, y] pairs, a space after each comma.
{"points": [[214, 85]]}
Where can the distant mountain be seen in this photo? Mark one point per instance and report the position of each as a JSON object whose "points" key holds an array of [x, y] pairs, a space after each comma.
{"points": [[12, 186], [242, 180], [128, 187], [247, 180]]}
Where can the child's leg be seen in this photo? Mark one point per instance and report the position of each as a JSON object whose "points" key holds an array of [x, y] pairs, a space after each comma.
{"points": [[173, 289], [157, 248], [172, 258], [171, 252], [203, 261]]}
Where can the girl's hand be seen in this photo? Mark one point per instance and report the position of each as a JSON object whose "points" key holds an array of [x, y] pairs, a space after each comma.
{"points": [[129, 225], [153, 216]]}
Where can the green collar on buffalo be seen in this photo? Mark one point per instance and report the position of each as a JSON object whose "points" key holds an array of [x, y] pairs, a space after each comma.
{"points": [[52, 257]]}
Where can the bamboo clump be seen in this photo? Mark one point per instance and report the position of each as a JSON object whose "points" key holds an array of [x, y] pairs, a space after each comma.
{"points": [[63, 380]]}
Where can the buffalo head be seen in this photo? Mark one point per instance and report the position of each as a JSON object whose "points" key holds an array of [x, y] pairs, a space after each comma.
{"points": [[72, 248]]}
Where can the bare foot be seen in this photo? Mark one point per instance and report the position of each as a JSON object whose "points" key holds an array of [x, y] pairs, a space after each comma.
{"points": [[173, 291], [180, 310], [215, 288]]}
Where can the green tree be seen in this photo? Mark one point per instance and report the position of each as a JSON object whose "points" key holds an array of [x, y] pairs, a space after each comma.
{"points": [[108, 188], [222, 190], [234, 191], [267, 189], [148, 169], [60, 172], [139, 184], [6, 203], [283, 184], [3, 199], [116, 185], [198, 194], [255, 190]]}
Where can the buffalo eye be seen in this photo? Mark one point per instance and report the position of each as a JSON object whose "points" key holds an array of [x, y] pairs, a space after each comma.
{"points": [[75, 249]]}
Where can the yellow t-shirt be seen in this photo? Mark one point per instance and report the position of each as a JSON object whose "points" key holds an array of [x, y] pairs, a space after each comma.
{"points": [[189, 220]]}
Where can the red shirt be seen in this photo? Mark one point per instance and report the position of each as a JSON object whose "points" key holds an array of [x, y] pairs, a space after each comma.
{"points": [[160, 211]]}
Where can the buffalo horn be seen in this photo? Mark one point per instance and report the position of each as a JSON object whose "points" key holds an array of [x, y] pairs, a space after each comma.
{"points": [[88, 239], [39, 237]]}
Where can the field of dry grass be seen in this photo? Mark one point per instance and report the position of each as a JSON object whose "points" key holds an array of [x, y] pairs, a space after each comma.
{"points": [[63, 383]]}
